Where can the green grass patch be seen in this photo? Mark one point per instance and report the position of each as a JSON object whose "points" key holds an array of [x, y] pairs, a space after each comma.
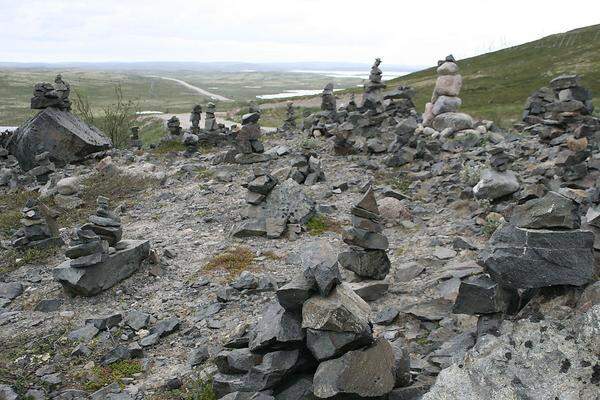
{"points": [[193, 390], [103, 376], [232, 261], [169, 147], [12, 259], [10, 211], [319, 224]]}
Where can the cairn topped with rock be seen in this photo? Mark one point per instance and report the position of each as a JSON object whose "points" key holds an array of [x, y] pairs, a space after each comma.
{"points": [[44, 167], [195, 117], [38, 227], [316, 340], [98, 258], [248, 141], [442, 112], [372, 98], [51, 95], [497, 181], [174, 126], [290, 120], [210, 123], [134, 139]]}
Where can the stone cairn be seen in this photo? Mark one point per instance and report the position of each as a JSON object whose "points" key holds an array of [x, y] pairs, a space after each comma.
{"points": [[43, 169], [497, 181], [195, 118], [174, 127], [210, 123], [48, 95], [372, 98], [564, 108], [328, 114], [38, 227], [290, 120], [134, 139], [248, 141], [316, 340], [97, 257], [367, 257], [305, 169], [442, 112]]}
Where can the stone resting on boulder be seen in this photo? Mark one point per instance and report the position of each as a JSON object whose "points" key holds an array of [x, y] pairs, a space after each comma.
{"points": [[98, 258], [55, 130]]}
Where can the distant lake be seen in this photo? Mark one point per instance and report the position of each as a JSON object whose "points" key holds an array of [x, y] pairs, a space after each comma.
{"points": [[8, 128], [292, 93], [387, 75]]}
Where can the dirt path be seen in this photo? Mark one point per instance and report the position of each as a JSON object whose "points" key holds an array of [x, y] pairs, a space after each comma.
{"points": [[203, 92]]}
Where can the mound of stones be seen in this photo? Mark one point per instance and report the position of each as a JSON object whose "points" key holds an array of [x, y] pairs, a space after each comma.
{"points": [[304, 168], [273, 207], [289, 124], [98, 258], [315, 342], [38, 227], [250, 148], [55, 130], [497, 181]]}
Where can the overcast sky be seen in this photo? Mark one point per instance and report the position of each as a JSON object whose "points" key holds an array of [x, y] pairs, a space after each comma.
{"points": [[401, 32]]}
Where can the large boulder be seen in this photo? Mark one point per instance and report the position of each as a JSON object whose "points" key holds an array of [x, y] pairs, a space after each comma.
{"points": [[66, 137], [553, 211], [91, 280], [369, 372], [522, 258], [531, 359], [494, 184], [452, 120]]}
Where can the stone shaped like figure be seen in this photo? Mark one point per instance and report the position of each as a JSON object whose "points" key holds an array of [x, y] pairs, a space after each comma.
{"points": [[375, 75], [134, 140], [174, 126], [47, 95], [210, 123], [195, 118]]}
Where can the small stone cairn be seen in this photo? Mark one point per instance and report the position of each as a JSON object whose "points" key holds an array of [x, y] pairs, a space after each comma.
{"points": [[38, 227], [48, 95], [317, 339], [174, 127], [210, 123], [372, 98], [44, 167], [290, 120], [305, 169], [195, 118], [442, 112], [497, 181], [367, 257], [248, 141], [97, 257], [134, 139]]}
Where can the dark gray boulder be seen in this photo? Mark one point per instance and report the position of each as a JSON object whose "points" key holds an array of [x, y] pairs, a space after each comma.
{"points": [[236, 361], [366, 264], [329, 344], [93, 279], [325, 275], [292, 295], [401, 363], [522, 258], [300, 388], [276, 329], [274, 368], [482, 295], [365, 239], [553, 211], [369, 372], [66, 137]]}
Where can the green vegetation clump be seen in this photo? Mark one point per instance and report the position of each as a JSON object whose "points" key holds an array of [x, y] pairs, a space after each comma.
{"points": [[193, 390], [319, 224], [169, 147], [470, 174], [10, 211], [103, 376], [12, 259], [232, 261]]}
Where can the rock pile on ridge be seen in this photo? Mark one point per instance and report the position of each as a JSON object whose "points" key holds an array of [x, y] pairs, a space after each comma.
{"points": [[39, 229], [98, 258], [315, 342], [250, 148], [497, 181]]}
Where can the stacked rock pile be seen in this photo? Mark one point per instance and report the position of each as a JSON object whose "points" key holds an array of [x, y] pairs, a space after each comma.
{"points": [[564, 108], [210, 123], [290, 120], [372, 98], [315, 342], [304, 168], [174, 130], [134, 139], [195, 117], [248, 141], [38, 227], [51, 95], [442, 112], [97, 257], [497, 181]]}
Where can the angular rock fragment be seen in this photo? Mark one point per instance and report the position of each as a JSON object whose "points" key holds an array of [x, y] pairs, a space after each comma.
{"points": [[277, 328], [329, 344], [553, 211], [482, 295]]}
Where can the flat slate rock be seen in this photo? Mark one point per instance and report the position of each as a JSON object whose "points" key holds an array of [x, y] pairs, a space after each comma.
{"points": [[91, 280]]}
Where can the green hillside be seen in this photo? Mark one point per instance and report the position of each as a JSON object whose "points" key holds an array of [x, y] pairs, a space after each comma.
{"points": [[496, 85]]}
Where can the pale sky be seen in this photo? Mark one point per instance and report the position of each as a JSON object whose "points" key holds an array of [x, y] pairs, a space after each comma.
{"points": [[400, 32]]}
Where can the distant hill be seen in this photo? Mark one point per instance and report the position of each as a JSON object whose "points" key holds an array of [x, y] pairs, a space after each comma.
{"points": [[496, 85]]}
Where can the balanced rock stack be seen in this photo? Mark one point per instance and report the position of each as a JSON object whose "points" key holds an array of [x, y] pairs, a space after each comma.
{"points": [[55, 130], [442, 112], [98, 258], [328, 114], [195, 117], [315, 342], [497, 181], [38, 227], [134, 139], [372, 98], [290, 120], [367, 256], [210, 123], [248, 138], [173, 129]]}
